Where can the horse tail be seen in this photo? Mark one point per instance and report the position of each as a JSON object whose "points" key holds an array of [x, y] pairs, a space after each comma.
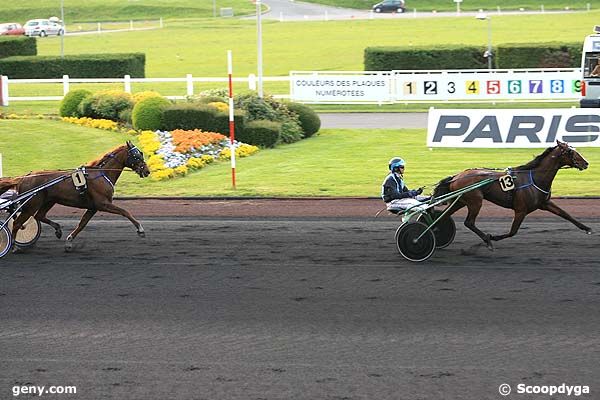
{"points": [[8, 183], [443, 187]]}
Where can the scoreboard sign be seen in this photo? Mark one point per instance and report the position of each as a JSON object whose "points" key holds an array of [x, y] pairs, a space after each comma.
{"points": [[340, 87], [484, 85], [435, 86], [517, 128]]}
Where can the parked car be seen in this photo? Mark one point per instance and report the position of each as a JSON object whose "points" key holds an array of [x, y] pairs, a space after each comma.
{"points": [[43, 27], [389, 6], [11, 28]]}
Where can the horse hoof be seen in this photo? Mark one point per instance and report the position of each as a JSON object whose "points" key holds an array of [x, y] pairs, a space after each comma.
{"points": [[142, 234], [17, 250], [58, 233]]}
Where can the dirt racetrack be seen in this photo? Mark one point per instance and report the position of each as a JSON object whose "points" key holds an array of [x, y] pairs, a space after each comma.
{"points": [[299, 299]]}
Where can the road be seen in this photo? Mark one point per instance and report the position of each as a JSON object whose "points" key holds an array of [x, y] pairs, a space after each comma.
{"points": [[289, 308], [290, 10], [373, 120]]}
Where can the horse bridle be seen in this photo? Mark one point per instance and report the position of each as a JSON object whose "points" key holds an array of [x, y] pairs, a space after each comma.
{"points": [[569, 152], [134, 157]]}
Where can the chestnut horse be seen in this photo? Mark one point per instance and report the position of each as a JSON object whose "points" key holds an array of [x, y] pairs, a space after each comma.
{"points": [[101, 177], [527, 190]]}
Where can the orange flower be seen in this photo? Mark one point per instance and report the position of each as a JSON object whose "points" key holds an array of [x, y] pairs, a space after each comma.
{"points": [[185, 141]]}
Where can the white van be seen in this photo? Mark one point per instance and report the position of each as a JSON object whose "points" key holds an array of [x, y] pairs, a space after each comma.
{"points": [[590, 65]]}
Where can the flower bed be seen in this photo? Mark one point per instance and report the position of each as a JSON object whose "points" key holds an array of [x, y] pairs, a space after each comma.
{"points": [[175, 153]]}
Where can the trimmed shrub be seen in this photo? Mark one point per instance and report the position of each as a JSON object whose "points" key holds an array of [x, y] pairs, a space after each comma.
{"points": [[189, 116], [105, 104], [539, 55], [420, 58], [256, 108], [205, 99], [70, 103], [309, 120], [76, 66], [260, 133], [507, 56], [17, 46], [290, 132], [221, 123], [147, 114], [139, 96]]}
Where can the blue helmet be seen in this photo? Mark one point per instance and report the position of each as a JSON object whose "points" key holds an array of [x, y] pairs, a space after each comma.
{"points": [[396, 162]]}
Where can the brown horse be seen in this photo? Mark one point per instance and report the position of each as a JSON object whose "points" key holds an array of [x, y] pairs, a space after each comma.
{"points": [[101, 177], [527, 190]]}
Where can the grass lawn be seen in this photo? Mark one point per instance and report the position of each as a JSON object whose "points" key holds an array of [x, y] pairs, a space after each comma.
{"points": [[471, 5], [124, 10], [333, 163], [119, 10], [199, 47]]}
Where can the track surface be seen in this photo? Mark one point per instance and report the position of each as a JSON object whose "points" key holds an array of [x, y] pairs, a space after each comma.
{"points": [[299, 308]]}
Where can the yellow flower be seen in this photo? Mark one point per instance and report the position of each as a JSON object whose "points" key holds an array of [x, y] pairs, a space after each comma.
{"points": [[162, 174], [181, 170], [219, 105], [139, 96]]}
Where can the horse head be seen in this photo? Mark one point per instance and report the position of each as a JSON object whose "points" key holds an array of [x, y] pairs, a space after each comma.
{"points": [[570, 157], [135, 160]]}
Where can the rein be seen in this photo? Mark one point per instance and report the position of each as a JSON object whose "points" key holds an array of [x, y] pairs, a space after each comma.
{"points": [[75, 169]]}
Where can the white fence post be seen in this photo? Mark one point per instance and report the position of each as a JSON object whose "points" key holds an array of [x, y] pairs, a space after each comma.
{"points": [[190, 85], [65, 84], [127, 83], [130, 24], [99, 27], [3, 91], [252, 82], [161, 22], [1, 165]]}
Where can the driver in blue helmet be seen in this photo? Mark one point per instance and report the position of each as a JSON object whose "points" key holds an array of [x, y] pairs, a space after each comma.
{"points": [[394, 192]]}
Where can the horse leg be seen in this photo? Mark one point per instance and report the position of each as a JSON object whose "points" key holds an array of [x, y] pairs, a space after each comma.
{"points": [[82, 223], [517, 220], [111, 208], [474, 206], [41, 216], [448, 211], [554, 209]]}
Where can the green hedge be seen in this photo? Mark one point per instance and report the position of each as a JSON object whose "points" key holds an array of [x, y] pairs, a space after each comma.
{"points": [[261, 133], [451, 57], [507, 56], [69, 106], [539, 55], [309, 120], [188, 116], [192, 116], [17, 46], [147, 114], [221, 123], [76, 66]]}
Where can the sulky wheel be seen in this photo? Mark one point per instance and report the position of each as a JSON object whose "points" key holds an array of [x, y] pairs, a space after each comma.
{"points": [[444, 229], [408, 245], [5, 241], [29, 233]]}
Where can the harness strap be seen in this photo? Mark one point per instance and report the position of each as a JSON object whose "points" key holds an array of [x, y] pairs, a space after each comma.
{"points": [[531, 182], [103, 175]]}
